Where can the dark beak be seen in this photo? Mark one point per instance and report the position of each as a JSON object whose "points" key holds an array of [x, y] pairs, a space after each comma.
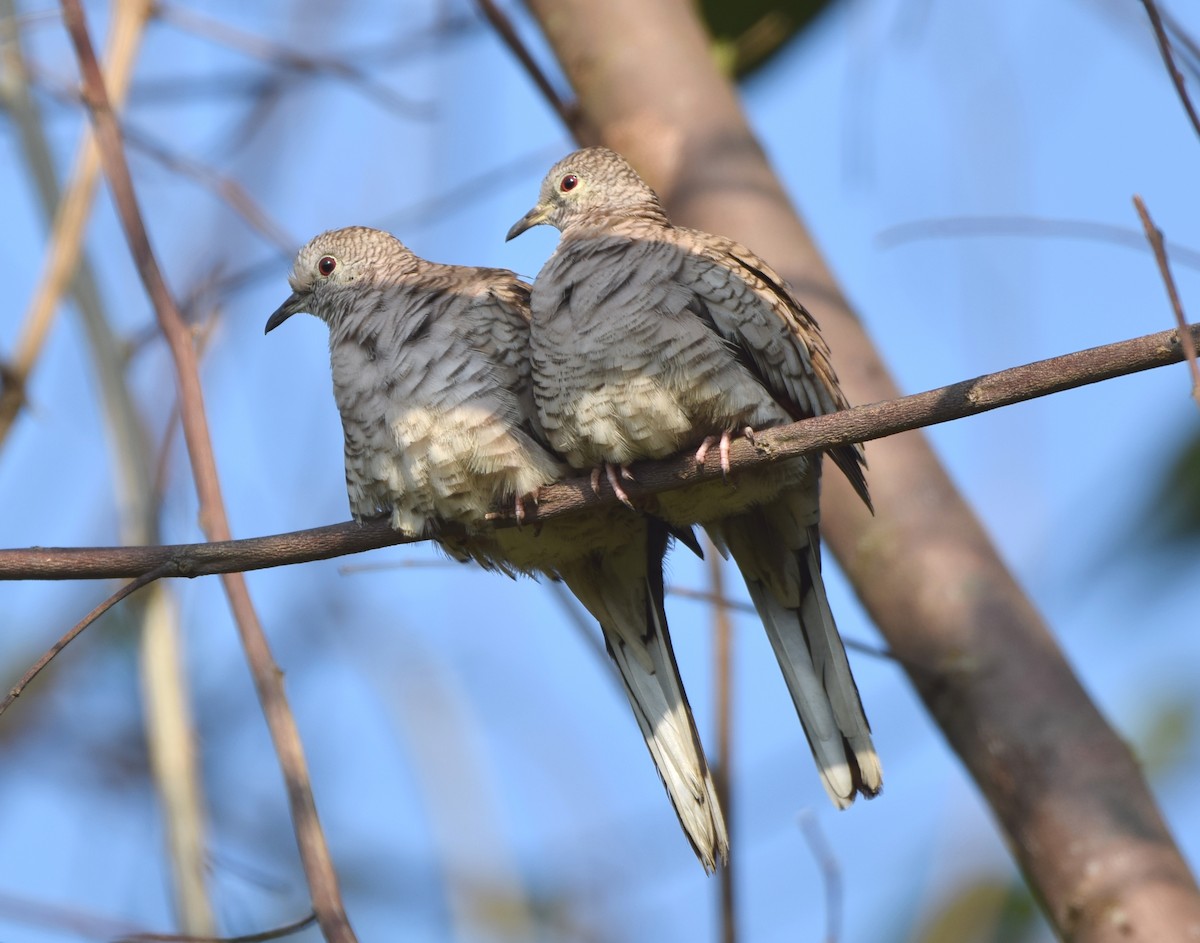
{"points": [[294, 305], [535, 217]]}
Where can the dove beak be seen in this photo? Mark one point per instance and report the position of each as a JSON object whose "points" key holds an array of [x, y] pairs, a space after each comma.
{"points": [[293, 305], [535, 217]]}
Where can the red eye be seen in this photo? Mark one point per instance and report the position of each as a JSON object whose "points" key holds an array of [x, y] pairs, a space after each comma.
{"points": [[326, 266], [569, 182]]}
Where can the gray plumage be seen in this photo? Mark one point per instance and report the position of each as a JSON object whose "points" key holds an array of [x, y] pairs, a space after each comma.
{"points": [[649, 338], [431, 376]]}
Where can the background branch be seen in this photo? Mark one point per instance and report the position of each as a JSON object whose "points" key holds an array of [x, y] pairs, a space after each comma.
{"points": [[314, 853], [1155, 237]]}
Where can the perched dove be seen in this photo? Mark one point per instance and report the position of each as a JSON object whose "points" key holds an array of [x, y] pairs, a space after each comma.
{"points": [[648, 338], [431, 377]]}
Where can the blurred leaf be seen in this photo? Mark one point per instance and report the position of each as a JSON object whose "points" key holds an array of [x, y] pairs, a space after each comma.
{"points": [[1164, 734], [1174, 511], [747, 33], [988, 910]]}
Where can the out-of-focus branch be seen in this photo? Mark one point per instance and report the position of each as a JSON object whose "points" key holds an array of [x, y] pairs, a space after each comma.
{"points": [[1064, 787], [956, 227], [1155, 237], [169, 730], [128, 25], [722, 772], [282, 57], [858, 424], [568, 112], [314, 853], [277, 933], [131, 587], [1164, 47]]}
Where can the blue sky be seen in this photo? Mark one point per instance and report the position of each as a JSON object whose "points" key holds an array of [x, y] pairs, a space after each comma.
{"points": [[457, 722]]}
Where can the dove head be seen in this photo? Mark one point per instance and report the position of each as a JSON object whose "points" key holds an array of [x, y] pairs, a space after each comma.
{"points": [[337, 267], [588, 185]]}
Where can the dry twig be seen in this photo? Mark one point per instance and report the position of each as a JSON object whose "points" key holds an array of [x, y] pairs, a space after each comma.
{"points": [[1164, 47], [722, 772], [131, 587], [314, 853], [1155, 237]]}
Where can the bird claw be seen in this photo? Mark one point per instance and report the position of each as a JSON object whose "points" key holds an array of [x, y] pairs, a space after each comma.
{"points": [[614, 473], [723, 441], [519, 504]]}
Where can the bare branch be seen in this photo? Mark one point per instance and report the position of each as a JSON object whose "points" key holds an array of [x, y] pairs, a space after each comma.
{"points": [[1155, 237], [282, 57], [722, 772], [278, 933], [17, 689], [831, 873], [66, 239], [1164, 47], [314, 853], [991, 226], [858, 424], [567, 112]]}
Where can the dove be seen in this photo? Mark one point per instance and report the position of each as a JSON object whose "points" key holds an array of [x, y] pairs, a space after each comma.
{"points": [[431, 378], [648, 339]]}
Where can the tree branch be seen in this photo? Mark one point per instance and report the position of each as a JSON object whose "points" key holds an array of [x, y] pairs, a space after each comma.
{"points": [[314, 853], [1155, 237], [858, 424], [1164, 48]]}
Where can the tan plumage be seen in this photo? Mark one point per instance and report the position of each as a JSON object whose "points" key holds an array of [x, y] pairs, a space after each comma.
{"points": [[432, 379], [648, 339]]}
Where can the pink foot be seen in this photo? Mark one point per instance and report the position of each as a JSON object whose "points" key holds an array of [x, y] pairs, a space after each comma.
{"points": [[614, 473], [723, 441]]}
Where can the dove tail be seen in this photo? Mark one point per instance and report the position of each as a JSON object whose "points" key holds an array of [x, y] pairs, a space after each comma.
{"points": [[635, 632], [795, 611]]}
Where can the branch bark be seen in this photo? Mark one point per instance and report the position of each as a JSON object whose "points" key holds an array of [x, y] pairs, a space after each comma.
{"points": [[1065, 789], [858, 424]]}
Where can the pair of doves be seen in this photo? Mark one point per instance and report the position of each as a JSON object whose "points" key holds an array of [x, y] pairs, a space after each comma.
{"points": [[461, 388]]}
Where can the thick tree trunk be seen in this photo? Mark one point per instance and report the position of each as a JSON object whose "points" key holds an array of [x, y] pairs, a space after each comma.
{"points": [[1066, 790]]}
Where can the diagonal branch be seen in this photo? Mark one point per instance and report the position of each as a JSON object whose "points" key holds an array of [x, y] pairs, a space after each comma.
{"points": [[858, 424], [1164, 47], [314, 853], [1155, 237]]}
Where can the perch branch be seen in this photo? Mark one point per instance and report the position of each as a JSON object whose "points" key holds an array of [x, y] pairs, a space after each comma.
{"points": [[858, 424]]}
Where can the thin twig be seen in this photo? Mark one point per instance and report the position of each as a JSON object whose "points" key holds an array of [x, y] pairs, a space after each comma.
{"points": [[1164, 47], [831, 873], [736, 605], [131, 587], [278, 933], [283, 57], [567, 112], [990, 226], [858, 424], [314, 853], [1155, 237], [66, 240], [722, 772]]}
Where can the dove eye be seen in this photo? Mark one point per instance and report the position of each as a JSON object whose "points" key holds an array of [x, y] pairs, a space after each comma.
{"points": [[326, 266], [569, 182]]}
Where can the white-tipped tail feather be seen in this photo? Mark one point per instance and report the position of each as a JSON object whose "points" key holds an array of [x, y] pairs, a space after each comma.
{"points": [[635, 632], [779, 556]]}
